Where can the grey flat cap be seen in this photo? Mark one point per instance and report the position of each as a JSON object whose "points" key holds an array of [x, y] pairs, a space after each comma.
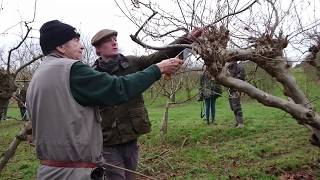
{"points": [[102, 34]]}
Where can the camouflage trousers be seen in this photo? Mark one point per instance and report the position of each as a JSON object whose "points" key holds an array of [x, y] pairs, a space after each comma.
{"points": [[235, 105]]}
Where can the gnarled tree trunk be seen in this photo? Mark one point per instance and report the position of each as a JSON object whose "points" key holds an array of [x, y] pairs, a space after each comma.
{"points": [[7, 88], [267, 54]]}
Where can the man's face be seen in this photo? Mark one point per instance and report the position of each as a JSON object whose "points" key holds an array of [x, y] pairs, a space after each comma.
{"points": [[72, 49], [108, 48]]}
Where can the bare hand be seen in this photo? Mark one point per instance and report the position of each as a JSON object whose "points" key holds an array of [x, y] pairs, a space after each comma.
{"points": [[169, 66], [195, 33]]}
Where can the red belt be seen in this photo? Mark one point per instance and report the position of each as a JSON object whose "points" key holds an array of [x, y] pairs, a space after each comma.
{"points": [[68, 164]]}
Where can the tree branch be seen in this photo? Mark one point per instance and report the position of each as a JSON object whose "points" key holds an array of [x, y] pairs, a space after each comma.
{"points": [[299, 112], [27, 64], [22, 136], [135, 39], [232, 14], [15, 48], [145, 23]]}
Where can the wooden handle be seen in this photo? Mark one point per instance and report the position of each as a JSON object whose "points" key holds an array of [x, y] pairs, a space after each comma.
{"points": [[167, 77]]}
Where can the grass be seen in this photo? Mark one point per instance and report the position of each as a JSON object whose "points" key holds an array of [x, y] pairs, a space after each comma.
{"points": [[270, 145]]}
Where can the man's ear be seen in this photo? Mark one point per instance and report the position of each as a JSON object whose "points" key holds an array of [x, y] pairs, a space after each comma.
{"points": [[60, 49], [98, 50]]}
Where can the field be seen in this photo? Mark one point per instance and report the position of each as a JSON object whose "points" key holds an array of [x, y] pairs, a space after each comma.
{"points": [[271, 146]]}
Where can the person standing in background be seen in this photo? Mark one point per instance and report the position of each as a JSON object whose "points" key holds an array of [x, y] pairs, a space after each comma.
{"points": [[210, 90], [237, 71]]}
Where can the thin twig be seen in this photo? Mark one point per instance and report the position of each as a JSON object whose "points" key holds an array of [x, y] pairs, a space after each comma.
{"points": [[128, 170], [145, 23], [183, 142], [157, 155], [27, 64], [232, 14]]}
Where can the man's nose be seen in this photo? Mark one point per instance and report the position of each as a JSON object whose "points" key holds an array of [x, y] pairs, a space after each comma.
{"points": [[114, 40]]}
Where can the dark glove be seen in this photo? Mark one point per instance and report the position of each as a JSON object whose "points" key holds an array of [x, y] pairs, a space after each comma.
{"points": [[97, 173]]}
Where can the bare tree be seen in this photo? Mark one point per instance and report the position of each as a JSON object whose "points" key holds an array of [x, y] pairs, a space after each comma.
{"points": [[313, 57], [9, 73], [242, 31], [89, 54], [170, 90], [24, 56]]}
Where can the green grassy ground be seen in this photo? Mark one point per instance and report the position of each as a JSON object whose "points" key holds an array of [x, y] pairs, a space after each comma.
{"points": [[271, 145]]}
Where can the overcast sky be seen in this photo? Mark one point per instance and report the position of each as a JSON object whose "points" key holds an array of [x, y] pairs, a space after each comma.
{"points": [[87, 16]]}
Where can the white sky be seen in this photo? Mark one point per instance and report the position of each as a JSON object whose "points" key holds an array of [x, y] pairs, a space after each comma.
{"points": [[87, 16]]}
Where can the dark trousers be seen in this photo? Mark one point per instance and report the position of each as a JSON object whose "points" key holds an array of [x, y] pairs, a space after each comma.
{"points": [[210, 104], [23, 113], [124, 155]]}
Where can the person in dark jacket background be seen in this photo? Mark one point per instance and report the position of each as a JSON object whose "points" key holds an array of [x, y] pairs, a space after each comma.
{"points": [[237, 71], [209, 90], [123, 124], [21, 100]]}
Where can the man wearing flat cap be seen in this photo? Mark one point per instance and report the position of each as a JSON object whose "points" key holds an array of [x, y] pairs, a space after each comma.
{"points": [[123, 124], [62, 98]]}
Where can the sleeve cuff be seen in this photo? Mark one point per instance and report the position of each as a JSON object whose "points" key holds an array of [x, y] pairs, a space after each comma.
{"points": [[156, 69]]}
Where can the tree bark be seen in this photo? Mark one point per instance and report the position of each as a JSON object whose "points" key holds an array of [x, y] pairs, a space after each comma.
{"points": [[267, 54], [3, 108], [7, 88]]}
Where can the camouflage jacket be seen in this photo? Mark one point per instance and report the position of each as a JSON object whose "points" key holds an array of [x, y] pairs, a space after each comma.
{"points": [[237, 71]]}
